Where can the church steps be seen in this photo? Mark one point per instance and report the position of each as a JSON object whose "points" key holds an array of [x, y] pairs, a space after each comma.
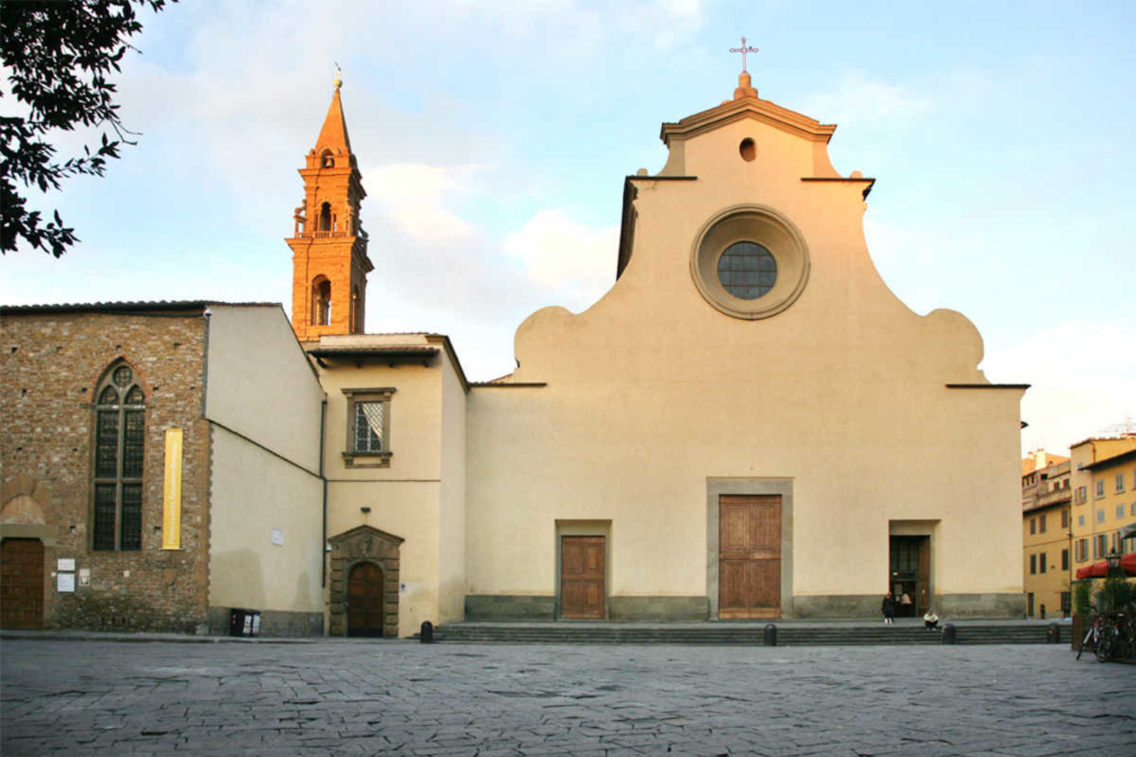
{"points": [[748, 635]]}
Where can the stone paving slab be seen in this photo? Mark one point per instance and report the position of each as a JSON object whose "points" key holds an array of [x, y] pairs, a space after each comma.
{"points": [[129, 698]]}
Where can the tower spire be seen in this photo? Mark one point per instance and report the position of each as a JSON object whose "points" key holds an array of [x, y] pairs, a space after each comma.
{"points": [[329, 247]]}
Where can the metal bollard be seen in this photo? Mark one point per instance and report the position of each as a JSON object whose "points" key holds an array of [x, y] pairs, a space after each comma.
{"points": [[426, 635], [949, 632], [1053, 634], [769, 635]]}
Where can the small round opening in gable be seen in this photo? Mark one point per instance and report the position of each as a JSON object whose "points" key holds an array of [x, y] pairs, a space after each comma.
{"points": [[750, 262], [747, 149]]}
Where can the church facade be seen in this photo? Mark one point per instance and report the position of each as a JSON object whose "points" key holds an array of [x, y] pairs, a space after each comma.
{"points": [[749, 424]]}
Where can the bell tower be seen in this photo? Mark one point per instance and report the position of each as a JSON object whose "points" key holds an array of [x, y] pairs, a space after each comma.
{"points": [[329, 247]]}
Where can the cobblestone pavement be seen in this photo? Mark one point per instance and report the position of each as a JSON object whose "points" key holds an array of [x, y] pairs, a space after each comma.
{"points": [[343, 697]]}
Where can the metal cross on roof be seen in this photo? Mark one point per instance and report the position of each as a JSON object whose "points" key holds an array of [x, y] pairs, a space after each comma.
{"points": [[743, 50]]}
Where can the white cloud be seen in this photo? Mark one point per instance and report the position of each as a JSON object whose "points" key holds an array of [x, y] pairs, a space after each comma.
{"points": [[414, 198], [861, 101], [557, 253], [1082, 376]]}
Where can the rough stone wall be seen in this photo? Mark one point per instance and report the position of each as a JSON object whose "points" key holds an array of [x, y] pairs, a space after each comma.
{"points": [[50, 365]]}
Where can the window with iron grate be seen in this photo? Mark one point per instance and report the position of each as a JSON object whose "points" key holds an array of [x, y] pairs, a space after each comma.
{"points": [[119, 446], [368, 427]]}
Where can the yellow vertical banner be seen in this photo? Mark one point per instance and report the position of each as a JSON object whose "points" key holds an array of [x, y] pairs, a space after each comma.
{"points": [[171, 493]]}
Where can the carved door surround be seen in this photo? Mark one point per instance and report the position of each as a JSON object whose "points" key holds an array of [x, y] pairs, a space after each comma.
{"points": [[364, 544]]}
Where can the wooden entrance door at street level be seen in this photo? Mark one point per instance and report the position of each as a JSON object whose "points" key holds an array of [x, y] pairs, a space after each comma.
{"points": [[582, 587], [21, 584], [365, 600], [749, 556]]}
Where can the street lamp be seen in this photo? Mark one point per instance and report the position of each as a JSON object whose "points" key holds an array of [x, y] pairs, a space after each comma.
{"points": [[1113, 563]]}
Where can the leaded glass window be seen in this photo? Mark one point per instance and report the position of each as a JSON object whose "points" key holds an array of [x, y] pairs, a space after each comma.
{"points": [[747, 270], [120, 435]]}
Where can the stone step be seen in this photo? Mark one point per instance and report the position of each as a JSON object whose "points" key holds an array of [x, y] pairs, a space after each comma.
{"points": [[787, 635]]}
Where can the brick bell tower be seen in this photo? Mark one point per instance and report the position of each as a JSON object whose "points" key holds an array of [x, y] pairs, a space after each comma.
{"points": [[329, 247]]}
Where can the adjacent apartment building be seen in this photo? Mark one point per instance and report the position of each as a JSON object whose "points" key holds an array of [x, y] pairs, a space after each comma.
{"points": [[1046, 546]]}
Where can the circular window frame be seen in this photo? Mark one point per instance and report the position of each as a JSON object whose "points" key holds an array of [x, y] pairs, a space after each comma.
{"points": [[773, 231]]}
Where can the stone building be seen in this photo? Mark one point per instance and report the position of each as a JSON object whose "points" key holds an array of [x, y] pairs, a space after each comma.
{"points": [[749, 424], [160, 464]]}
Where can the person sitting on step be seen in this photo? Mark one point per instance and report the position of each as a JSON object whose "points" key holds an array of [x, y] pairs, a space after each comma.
{"points": [[930, 620]]}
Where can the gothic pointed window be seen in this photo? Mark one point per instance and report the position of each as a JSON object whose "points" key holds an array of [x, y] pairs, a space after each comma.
{"points": [[321, 302], [119, 444]]}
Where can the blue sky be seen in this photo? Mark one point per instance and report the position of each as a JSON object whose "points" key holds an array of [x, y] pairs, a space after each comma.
{"points": [[493, 138]]}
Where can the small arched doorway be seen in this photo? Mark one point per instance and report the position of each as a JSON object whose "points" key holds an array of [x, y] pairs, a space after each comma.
{"points": [[365, 600]]}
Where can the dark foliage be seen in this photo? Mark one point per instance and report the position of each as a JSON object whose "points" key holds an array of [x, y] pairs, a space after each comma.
{"points": [[58, 57]]}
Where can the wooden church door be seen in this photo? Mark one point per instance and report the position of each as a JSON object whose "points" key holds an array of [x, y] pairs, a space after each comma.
{"points": [[582, 573], [365, 600], [749, 556]]}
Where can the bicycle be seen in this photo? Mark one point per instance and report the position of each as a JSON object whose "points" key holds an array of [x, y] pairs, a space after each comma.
{"points": [[1095, 639], [1102, 638]]}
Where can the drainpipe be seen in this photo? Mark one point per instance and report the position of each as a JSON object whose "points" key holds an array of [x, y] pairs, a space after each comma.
{"points": [[323, 481]]}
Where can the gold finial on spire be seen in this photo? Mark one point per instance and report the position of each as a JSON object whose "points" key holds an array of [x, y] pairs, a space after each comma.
{"points": [[339, 75]]}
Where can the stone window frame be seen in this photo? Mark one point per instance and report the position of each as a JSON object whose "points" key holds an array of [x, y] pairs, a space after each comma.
{"points": [[107, 380], [353, 458], [762, 225]]}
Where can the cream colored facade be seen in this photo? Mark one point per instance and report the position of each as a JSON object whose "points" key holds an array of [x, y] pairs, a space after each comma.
{"points": [[263, 402], [1103, 480], [636, 425]]}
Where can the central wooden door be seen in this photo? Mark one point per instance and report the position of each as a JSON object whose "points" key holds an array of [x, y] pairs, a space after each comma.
{"points": [[749, 556], [582, 577], [21, 584], [365, 600]]}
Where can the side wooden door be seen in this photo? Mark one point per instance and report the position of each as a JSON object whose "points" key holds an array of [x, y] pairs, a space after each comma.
{"points": [[582, 570], [749, 556], [21, 584], [365, 600]]}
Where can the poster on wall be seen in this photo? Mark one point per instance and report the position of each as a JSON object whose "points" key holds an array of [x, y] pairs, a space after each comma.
{"points": [[171, 491]]}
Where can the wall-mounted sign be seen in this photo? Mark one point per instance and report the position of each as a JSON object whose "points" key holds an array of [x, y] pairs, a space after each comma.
{"points": [[66, 563], [65, 582], [171, 491]]}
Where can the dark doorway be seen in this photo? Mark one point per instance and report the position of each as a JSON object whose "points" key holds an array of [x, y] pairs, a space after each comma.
{"points": [[365, 600], [21, 584], [910, 574]]}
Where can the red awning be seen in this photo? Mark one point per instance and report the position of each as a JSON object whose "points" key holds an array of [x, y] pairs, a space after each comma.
{"points": [[1100, 569]]}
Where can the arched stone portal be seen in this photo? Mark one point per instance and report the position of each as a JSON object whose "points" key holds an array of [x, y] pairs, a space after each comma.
{"points": [[365, 600], [364, 583]]}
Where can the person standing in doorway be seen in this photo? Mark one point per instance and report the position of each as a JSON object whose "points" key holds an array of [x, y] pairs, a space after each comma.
{"points": [[887, 607], [905, 605]]}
